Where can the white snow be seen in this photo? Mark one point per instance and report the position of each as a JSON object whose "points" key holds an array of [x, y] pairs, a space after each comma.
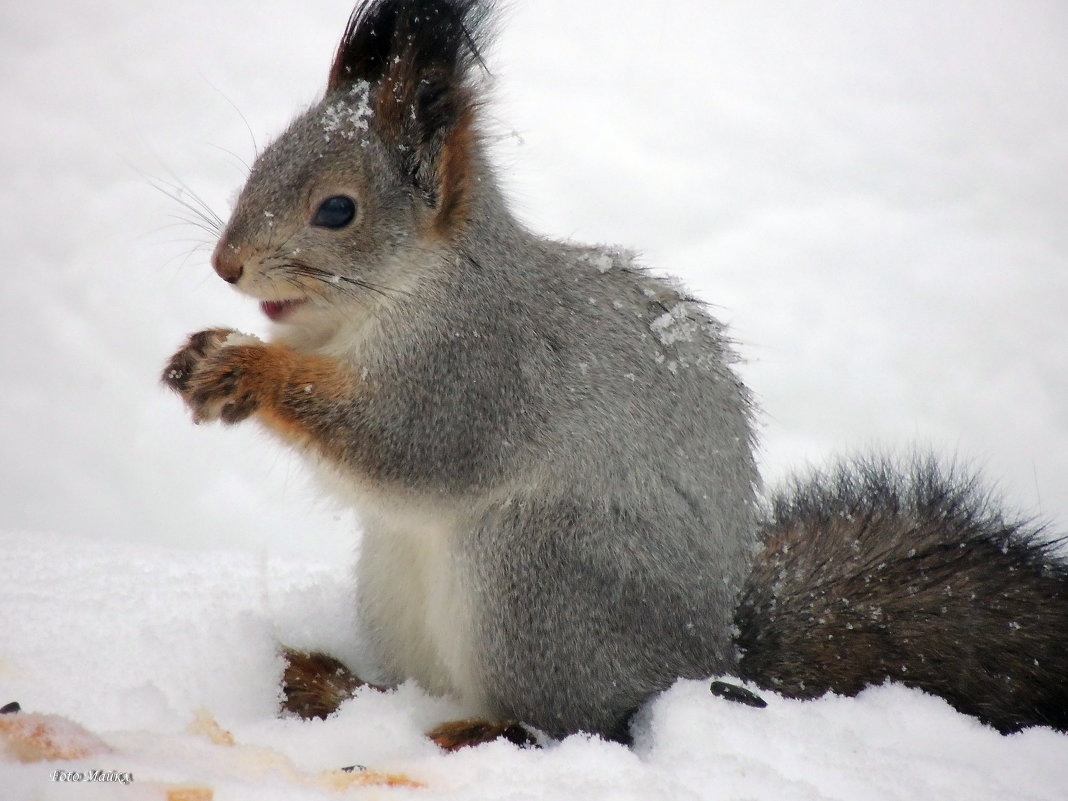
{"points": [[135, 642], [872, 195], [238, 338], [350, 116], [679, 324], [602, 262]]}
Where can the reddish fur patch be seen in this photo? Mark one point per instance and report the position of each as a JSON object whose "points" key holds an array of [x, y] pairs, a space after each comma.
{"points": [[310, 401], [278, 376], [454, 175]]}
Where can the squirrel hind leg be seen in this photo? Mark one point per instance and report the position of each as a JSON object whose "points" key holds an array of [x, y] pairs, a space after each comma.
{"points": [[314, 684], [458, 734]]}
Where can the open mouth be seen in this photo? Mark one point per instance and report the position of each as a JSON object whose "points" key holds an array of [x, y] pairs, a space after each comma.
{"points": [[278, 310]]}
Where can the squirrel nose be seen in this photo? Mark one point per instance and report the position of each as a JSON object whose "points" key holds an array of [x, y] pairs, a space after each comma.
{"points": [[227, 263]]}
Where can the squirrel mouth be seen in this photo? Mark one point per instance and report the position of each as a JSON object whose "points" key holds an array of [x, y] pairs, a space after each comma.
{"points": [[278, 310]]}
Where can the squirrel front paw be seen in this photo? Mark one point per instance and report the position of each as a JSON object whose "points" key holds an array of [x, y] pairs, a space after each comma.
{"points": [[215, 376]]}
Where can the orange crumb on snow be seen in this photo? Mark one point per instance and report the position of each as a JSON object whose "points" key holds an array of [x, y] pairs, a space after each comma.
{"points": [[30, 737], [205, 724], [190, 794], [339, 780]]}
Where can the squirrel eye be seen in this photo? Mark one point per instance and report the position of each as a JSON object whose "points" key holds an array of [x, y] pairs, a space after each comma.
{"points": [[335, 212]]}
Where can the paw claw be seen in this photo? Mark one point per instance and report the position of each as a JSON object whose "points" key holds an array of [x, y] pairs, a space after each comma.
{"points": [[237, 410]]}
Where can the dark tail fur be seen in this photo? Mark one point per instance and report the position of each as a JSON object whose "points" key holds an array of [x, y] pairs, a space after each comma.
{"points": [[868, 575]]}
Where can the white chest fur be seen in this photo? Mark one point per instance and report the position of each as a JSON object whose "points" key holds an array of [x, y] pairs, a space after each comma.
{"points": [[414, 602]]}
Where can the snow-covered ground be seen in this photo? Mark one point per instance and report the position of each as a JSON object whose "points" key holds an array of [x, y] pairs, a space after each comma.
{"points": [[131, 641], [873, 194]]}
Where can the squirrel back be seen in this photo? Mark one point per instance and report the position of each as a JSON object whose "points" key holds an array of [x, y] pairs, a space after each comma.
{"points": [[548, 449]]}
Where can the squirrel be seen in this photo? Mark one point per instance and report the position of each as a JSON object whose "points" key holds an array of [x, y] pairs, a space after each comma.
{"points": [[549, 451]]}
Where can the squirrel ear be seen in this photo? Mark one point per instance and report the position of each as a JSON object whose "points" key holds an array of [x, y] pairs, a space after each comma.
{"points": [[419, 55], [364, 50]]}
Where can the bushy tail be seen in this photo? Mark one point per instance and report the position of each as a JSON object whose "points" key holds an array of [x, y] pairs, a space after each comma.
{"points": [[870, 574]]}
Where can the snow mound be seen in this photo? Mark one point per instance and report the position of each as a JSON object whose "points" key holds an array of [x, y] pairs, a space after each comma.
{"points": [[146, 648]]}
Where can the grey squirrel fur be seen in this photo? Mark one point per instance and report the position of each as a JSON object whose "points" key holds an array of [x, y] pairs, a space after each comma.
{"points": [[550, 455]]}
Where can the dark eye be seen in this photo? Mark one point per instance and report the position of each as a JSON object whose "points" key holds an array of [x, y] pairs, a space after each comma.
{"points": [[335, 212]]}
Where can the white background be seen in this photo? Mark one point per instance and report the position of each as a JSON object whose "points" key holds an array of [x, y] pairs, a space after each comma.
{"points": [[873, 195]]}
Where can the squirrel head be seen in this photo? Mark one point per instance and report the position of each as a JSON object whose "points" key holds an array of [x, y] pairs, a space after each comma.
{"points": [[381, 169]]}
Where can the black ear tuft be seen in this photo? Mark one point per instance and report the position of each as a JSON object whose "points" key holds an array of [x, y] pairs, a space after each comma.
{"points": [[418, 58], [444, 36], [364, 49]]}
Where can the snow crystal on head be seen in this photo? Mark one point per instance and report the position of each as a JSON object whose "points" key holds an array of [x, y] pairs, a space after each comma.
{"points": [[348, 117], [678, 324], [605, 259], [602, 261], [693, 337]]}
